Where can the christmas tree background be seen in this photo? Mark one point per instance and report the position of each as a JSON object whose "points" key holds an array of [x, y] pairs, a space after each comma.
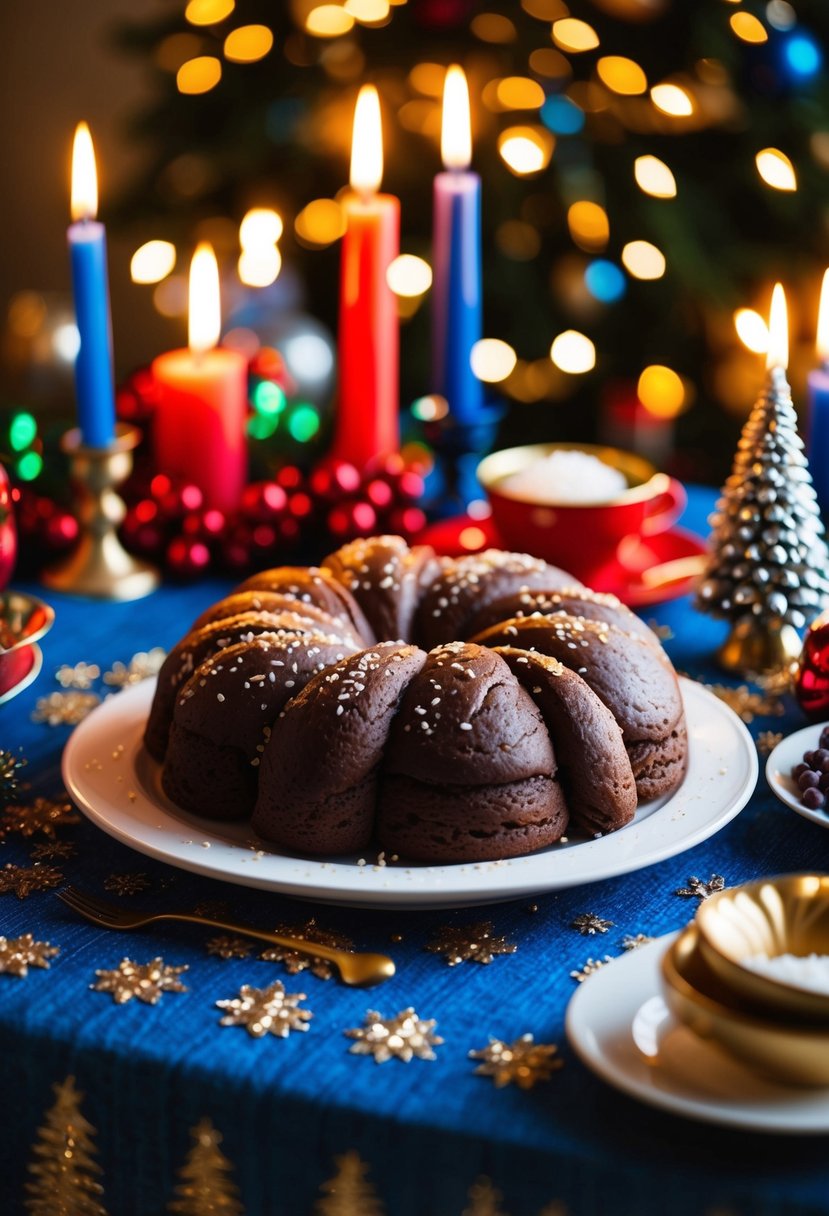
{"points": [[559, 243]]}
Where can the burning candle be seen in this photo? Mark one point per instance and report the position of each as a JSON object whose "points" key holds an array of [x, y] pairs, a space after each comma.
{"points": [[456, 293], [200, 419], [818, 417], [90, 288], [368, 396]]}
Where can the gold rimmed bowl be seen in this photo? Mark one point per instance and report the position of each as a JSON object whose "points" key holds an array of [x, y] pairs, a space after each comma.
{"points": [[740, 929], [785, 1049], [24, 619]]}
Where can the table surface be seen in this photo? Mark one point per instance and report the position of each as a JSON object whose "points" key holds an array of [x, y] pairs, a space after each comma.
{"points": [[287, 1108]]}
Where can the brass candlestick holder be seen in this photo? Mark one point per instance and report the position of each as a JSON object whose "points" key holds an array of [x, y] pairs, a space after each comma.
{"points": [[755, 648], [100, 567]]}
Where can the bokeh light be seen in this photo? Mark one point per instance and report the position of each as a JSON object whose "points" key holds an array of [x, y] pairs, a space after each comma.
{"points": [[573, 352], [493, 27], [208, 12], [776, 169], [328, 21], [260, 266], [622, 75], [248, 43], [672, 99], [430, 408], [661, 391], [260, 226], [588, 224], [654, 177], [803, 55], [409, 276], [368, 12], [525, 150], [752, 330], [571, 34], [22, 431], [199, 75], [492, 360], [320, 223], [605, 281], [519, 93], [562, 116], [303, 423], [643, 260], [748, 28], [152, 262]]}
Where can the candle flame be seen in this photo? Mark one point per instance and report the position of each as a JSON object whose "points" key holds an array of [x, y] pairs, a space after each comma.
{"points": [[205, 321], [84, 204], [823, 320], [455, 134], [367, 143], [778, 353]]}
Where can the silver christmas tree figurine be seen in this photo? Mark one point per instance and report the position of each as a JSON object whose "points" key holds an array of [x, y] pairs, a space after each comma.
{"points": [[768, 568]]}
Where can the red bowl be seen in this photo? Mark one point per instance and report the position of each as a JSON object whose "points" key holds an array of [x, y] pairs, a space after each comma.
{"points": [[24, 619]]}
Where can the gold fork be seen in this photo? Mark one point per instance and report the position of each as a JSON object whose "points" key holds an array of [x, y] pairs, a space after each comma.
{"points": [[358, 970]]}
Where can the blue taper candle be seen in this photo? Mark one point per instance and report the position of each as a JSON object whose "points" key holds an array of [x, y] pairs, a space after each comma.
{"points": [[817, 425], [90, 288], [456, 292]]}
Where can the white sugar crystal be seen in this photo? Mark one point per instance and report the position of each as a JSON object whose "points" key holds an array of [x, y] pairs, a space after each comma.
{"points": [[565, 477]]}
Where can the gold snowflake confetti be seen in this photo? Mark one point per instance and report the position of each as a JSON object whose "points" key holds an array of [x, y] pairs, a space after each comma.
{"points": [[229, 947], [634, 941], [663, 632], [768, 740], [11, 764], [22, 881], [43, 816], [65, 708], [590, 968], [142, 666], [53, 850], [402, 1037], [697, 889], [263, 1011], [523, 1062], [18, 954], [779, 683], [79, 675], [588, 924], [145, 981], [126, 884], [469, 944], [295, 962], [749, 705]]}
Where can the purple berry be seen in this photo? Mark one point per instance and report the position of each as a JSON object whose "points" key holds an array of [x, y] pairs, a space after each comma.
{"points": [[813, 799], [820, 755], [823, 782], [799, 770], [809, 758], [808, 780], [824, 737]]}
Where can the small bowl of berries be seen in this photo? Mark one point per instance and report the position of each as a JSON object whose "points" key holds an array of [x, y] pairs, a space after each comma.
{"points": [[798, 772]]}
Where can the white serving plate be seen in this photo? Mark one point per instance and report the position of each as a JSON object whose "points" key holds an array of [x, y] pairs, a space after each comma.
{"points": [[786, 755], [620, 1027], [116, 783]]}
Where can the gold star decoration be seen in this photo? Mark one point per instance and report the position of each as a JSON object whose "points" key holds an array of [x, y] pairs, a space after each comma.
{"points": [[523, 1062], [263, 1011], [295, 962], [768, 740], [590, 968], [697, 889], [634, 941], [142, 666], [43, 816], [53, 850], [64, 708], [77, 675], [469, 944], [18, 954], [126, 884], [749, 705], [229, 947], [402, 1037], [145, 981], [11, 764], [588, 924], [22, 881]]}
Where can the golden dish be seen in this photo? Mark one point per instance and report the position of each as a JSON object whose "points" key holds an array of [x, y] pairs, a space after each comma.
{"points": [[770, 917], [785, 1050]]}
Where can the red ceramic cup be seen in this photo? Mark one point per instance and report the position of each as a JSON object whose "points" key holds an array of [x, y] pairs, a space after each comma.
{"points": [[24, 619], [581, 537]]}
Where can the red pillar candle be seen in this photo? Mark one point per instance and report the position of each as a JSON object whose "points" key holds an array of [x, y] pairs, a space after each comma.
{"points": [[200, 419], [368, 395]]}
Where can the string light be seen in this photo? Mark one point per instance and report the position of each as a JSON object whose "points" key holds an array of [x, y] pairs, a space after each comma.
{"points": [[248, 43], [573, 352], [643, 260], [571, 34], [748, 28], [661, 391], [654, 177], [328, 21], [752, 330], [589, 225], [622, 75], [208, 12], [672, 99], [776, 169], [492, 360], [152, 262], [409, 276], [525, 150], [199, 75]]}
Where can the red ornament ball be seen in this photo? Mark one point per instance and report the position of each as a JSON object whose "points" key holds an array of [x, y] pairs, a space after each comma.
{"points": [[205, 525], [289, 477], [351, 519], [379, 493], [61, 531], [262, 500], [333, 479], [407, 521], [812, 685], [187, 558]]}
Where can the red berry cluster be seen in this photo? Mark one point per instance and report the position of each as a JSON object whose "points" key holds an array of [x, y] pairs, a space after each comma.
{"points": [[45, 530]]}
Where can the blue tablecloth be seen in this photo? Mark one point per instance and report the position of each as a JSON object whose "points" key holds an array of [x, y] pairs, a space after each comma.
{"points": [[287, 1108]]}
